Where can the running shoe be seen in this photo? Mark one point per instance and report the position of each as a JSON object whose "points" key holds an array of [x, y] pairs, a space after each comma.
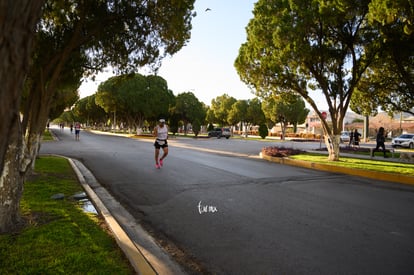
{"points": [[161, 163], [157, 166]]}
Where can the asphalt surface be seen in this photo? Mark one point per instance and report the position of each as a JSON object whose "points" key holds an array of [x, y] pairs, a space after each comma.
{"points": [[237, 214]]}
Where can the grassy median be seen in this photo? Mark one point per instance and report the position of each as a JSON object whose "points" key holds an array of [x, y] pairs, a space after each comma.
{"points": [[59, 237], [47, 136], [372, 165]]}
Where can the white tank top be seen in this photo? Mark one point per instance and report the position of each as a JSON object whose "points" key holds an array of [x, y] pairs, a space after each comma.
{"points": [[162, 132]]}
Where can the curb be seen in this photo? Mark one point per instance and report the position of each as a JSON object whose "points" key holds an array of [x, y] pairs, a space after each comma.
{"points": [[142, 251], [135, 257], [403, 179]]}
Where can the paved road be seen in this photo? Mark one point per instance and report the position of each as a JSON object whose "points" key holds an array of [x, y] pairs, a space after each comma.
{"points": [[243, 215]]}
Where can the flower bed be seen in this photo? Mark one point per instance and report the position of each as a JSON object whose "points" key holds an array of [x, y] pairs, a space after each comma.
{"points": [[280, 152]]}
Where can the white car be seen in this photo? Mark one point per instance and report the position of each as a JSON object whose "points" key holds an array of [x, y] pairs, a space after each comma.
{"points": [[344, 136], [405, 140]]}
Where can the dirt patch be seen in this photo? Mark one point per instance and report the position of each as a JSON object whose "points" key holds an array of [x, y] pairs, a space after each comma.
{"points": [[40, 218]]}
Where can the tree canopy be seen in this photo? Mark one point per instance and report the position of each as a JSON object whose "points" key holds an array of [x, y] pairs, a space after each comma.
{"points": [[285, 109], [299, 46], [389, 82], [18, 22], [134, 98], [70, 42], [238, 112], [189, 109], [219, 109]]}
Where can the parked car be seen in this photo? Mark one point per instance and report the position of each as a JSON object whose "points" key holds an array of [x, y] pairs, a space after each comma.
{"points": [[344, 136], [220, 132], [405, 140]]}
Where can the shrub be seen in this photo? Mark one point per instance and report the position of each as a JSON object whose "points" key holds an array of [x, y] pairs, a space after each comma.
{"points": [[263, 131], [196, 127]]}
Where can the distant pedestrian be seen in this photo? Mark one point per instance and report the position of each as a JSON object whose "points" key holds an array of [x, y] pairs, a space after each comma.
{"points": [[161, 136], [71, 128], [356, 137], [77, 130], [351, 138], [380, 142]]}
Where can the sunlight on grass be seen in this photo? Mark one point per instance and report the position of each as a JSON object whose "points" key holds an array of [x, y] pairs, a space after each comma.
{"points": [[59, 238], [47, 136], [372, 165]]}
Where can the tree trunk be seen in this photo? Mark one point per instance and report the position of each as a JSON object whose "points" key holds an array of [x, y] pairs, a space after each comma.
{"points": [[11, 183], [36, 116], [332, 143], [283, 127], [31, 151], [19, 162], [18, 19]]}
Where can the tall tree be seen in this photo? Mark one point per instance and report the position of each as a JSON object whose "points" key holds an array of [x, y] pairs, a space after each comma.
{"points": [[106, 97], [390, 12], [161, 98], [80, 110], [389, 82], [70, 40], [17, 29], [210, 117], [255, 115], [303, 46], [134, 98], [238, 114], [18, 20], [95, 114], [285, 109], [189, 109], [220, 108], [86, 111]]}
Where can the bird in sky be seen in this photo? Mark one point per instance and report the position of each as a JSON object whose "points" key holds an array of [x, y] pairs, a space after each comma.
{"points": [[208, 9]]}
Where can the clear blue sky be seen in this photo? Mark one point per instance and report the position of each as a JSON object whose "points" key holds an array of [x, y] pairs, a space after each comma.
{"points": [[205, 65]]}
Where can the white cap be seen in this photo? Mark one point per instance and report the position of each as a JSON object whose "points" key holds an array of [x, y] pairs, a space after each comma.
{"points": [[162, 120]]}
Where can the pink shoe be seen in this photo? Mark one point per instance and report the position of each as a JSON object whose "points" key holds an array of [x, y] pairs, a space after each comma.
{"points": [[157, 166], [161, 162]]}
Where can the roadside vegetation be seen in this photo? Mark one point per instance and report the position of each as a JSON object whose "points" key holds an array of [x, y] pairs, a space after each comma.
{"points": [[47, 136], [376, 164], [57, 236]]}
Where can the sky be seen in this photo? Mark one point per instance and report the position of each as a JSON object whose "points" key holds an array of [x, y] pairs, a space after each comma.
{"points": [[205, 66]]}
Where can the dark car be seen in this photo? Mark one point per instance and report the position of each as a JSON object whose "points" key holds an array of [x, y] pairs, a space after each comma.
{"points": [[220, 132]]}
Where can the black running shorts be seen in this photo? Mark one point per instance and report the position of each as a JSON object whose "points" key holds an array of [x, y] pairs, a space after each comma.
{"points": [[160, 143]]}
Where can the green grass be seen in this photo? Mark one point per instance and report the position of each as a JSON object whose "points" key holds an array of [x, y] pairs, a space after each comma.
{"points": [[47, 136], [372, 165], [60, 238]]}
